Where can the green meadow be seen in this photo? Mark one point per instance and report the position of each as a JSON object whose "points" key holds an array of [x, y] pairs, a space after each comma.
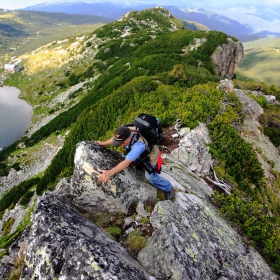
{"points": [[261, 61]]}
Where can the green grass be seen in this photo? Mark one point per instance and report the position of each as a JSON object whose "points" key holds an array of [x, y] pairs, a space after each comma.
{"points": [[268, 42], [261, 61]]}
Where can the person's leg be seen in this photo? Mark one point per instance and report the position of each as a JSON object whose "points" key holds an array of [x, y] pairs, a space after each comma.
{"points": [[160, 183]]}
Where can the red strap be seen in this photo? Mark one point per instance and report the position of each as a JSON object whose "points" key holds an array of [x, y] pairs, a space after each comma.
{"points": [[159, 161]]}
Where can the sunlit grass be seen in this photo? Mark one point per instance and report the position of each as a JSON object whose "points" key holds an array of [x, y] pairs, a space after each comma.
{"points": [[261, 61], [31, 30]]}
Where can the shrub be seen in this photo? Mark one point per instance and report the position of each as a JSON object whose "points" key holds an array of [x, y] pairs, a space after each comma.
{"points": [[26, 198], [114, 231], [134, 242], [260, 100], [7, 226], [12, 196]]}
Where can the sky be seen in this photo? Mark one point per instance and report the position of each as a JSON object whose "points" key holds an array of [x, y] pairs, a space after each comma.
{"points": [[18, 4]]}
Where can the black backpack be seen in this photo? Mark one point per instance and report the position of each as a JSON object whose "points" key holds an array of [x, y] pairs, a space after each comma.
{"points": [[149, 127]]}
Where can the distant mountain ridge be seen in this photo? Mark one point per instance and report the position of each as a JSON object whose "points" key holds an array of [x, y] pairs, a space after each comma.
{"points": [[245, 23]]}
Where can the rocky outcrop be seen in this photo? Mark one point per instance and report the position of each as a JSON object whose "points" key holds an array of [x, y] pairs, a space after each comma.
{"points": [[116, 195], [251, 133], [189, 241], [192, 242], [227, 57], [226, 86], [193, 152], [63, 244]]}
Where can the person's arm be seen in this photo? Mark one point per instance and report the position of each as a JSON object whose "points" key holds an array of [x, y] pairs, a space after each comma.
{"points": [[106, 174], [105, 143]]}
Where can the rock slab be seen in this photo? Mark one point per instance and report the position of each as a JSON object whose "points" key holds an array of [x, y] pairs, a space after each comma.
{"points": [[64, 245]]}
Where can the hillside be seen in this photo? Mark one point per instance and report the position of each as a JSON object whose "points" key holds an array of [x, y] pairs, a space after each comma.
{"points": [[23, 31], [261, 61], [83, 87]]}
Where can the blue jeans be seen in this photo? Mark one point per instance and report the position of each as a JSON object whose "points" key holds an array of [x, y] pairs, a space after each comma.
{"points": [[158, 181]]}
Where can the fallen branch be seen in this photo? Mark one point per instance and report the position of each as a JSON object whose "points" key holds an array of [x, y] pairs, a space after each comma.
{"points": [[220, 185], [224, 186]]}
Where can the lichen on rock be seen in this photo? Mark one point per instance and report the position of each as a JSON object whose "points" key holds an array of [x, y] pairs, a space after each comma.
{"points": [[63, 244]]}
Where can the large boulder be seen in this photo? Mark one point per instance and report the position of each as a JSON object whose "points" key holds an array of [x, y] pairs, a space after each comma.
{"points": [[63, 244], [117, 195], [192, 241], [189, 240]]}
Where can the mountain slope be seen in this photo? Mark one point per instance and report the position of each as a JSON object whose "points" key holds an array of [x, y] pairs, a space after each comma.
{"points": [[23, 31], [145, 62], [261, 61]]}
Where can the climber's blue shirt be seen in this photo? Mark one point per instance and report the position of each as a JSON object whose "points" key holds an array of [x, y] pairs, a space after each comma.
{"points": [[136, 150]]}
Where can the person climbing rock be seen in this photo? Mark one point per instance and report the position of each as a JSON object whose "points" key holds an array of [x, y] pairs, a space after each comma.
{"points": [[136, 146]]}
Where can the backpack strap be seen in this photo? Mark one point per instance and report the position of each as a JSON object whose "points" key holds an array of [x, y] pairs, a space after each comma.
{"points": [[135, 138]]}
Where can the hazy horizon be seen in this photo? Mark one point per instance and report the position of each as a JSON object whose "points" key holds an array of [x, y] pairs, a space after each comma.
{"points": [[19, 4]]}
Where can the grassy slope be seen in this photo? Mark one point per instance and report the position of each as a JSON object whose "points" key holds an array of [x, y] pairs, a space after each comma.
{"points": [[261, 61], [22, 31]]}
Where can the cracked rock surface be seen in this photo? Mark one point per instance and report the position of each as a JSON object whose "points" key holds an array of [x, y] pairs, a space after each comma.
{"points": [[116, 195], [63, 244]]}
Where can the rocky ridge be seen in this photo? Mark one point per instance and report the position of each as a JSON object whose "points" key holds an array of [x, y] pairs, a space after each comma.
{"points": [[190, 240], [225, 58], [174, 227], [189, 228]]}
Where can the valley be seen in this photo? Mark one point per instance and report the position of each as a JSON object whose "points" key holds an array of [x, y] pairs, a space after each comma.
{"points": [[261, 61]]}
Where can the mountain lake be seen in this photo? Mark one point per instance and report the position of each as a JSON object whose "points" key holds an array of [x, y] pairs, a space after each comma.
{"points": [[15, 116]]}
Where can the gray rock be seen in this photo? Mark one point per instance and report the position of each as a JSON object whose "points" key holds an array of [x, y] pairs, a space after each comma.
{"points": [[64, 187], [185, 180], [140, 209], [271, 99], [190, 241], [65, 245], [251, 108], [226, 86], [193, 242], [227, 57], [193, 152], [252, 134], [183, 131], [21, 145], [116, 195]]}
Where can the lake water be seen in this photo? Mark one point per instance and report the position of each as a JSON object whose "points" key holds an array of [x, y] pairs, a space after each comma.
{"points": [[15, 116]]}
